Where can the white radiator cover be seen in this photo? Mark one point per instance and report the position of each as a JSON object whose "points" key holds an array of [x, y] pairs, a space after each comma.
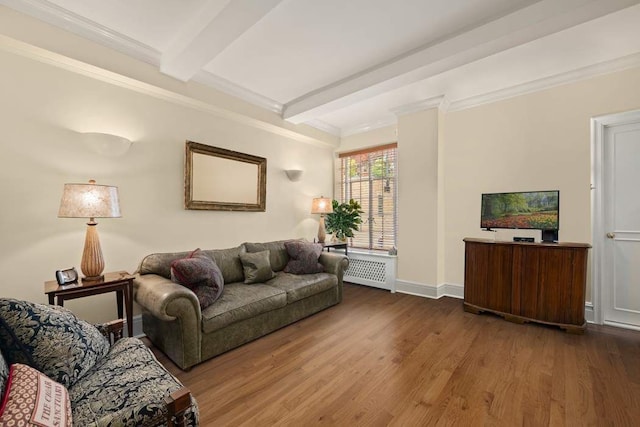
{"points": [[372, 269]]}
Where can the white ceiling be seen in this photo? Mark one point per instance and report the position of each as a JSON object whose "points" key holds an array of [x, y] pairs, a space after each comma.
{"points": [[347, 66]]}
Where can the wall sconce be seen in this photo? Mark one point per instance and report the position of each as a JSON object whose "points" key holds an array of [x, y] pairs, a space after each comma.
{"points": [[294, 174], [106, 144]]}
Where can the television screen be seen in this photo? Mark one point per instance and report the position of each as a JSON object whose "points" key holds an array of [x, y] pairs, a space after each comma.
{"points": [[529, 209]]}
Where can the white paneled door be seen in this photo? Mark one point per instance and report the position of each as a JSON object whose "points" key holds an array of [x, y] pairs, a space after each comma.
{"points": [[620, 287]]}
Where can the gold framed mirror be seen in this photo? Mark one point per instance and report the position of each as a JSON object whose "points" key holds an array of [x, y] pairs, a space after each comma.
{"points": [[224, 180]]}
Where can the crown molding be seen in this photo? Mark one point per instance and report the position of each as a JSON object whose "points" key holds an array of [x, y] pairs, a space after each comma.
{"points": [[59, 17], [590, 71], [224, 85], [366, 127], [414, 107], [444, 104], [324, 127], [531, 22], [93, 31], [62, 18], [26, 50]]}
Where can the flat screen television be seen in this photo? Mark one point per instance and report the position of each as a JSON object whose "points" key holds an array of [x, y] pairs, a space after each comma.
{"points": [[539, 210]]}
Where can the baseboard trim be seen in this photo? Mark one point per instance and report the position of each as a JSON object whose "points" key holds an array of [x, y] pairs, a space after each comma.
{"points": [[589, 314], [137, 326], [621, 325], [430, 291], [453, 290]]}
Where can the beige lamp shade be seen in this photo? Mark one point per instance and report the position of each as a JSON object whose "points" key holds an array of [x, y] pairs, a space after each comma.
{"points": [[90, 201], [321, 205]]}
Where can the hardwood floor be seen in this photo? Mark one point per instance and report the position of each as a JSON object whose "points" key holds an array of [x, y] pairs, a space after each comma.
{"points": [[391, 359]]}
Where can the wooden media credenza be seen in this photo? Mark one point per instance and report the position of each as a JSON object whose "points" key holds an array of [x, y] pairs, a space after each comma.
{"points": [[527, 282]]}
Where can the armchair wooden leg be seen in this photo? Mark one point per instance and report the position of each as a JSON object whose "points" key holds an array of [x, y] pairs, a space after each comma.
{"points": [[177, 404]]}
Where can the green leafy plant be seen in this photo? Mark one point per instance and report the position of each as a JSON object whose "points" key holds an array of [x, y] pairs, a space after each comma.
{"points": [[345, 219]]}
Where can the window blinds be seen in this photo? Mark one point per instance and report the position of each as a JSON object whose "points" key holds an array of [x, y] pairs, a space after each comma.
{"points": [[370, 177]]}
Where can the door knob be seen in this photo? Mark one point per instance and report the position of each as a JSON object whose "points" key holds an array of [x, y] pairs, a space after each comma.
{"points": [[611, 235]]}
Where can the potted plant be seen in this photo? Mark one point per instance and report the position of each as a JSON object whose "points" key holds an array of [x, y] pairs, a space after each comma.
{"points": [[344, 219]]}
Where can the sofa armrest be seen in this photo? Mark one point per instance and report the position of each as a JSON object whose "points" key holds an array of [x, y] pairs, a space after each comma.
{"points": [[165, 299], [177, 404], [335, 264], [171, 318]]}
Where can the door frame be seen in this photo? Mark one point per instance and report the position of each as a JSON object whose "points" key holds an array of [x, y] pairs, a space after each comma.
{"points": [[599, 124]]}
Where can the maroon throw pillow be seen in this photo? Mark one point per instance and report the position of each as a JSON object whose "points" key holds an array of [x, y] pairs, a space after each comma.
{"points": [[303, 257], [201, 274]]}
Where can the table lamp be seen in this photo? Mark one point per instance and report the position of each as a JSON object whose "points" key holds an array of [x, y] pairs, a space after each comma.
{"points": [[321, 205], [90, 201]]}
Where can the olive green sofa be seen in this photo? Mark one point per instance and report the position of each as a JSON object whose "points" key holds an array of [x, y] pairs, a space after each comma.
{"points": [[173, 321]]}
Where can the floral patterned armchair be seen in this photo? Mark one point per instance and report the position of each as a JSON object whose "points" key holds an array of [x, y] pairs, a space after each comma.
{"points": [[106, 383]]}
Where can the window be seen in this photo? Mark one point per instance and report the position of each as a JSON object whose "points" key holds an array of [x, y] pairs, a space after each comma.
{"points": [[370, 178]]}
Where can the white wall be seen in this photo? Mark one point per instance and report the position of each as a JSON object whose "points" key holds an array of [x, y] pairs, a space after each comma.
{"points": [[42, 110], [539, 141], [17, 28], [535, 141], [418, 197]]}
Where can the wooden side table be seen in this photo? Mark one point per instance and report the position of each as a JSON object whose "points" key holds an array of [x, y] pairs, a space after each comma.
{"points": [[119, 282]]}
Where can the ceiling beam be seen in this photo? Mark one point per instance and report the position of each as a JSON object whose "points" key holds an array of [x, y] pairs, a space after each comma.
{"points": [[211, 32], [525, 25]]}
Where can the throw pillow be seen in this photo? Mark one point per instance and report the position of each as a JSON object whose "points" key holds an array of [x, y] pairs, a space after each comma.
{"points": [[201, 274], [278, 257], [33, 399], [256, 266], [304, 257], [49, 338]]}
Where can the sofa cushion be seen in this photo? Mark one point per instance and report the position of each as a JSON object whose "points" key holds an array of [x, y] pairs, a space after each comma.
{"points": [[299, 287], [126, 388], [33, 399], [229, 262], [303, 257], [256, 266], [4, 375], [49, 338], [199, 273], [278, 256], [240, 302], [160, 263]]}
